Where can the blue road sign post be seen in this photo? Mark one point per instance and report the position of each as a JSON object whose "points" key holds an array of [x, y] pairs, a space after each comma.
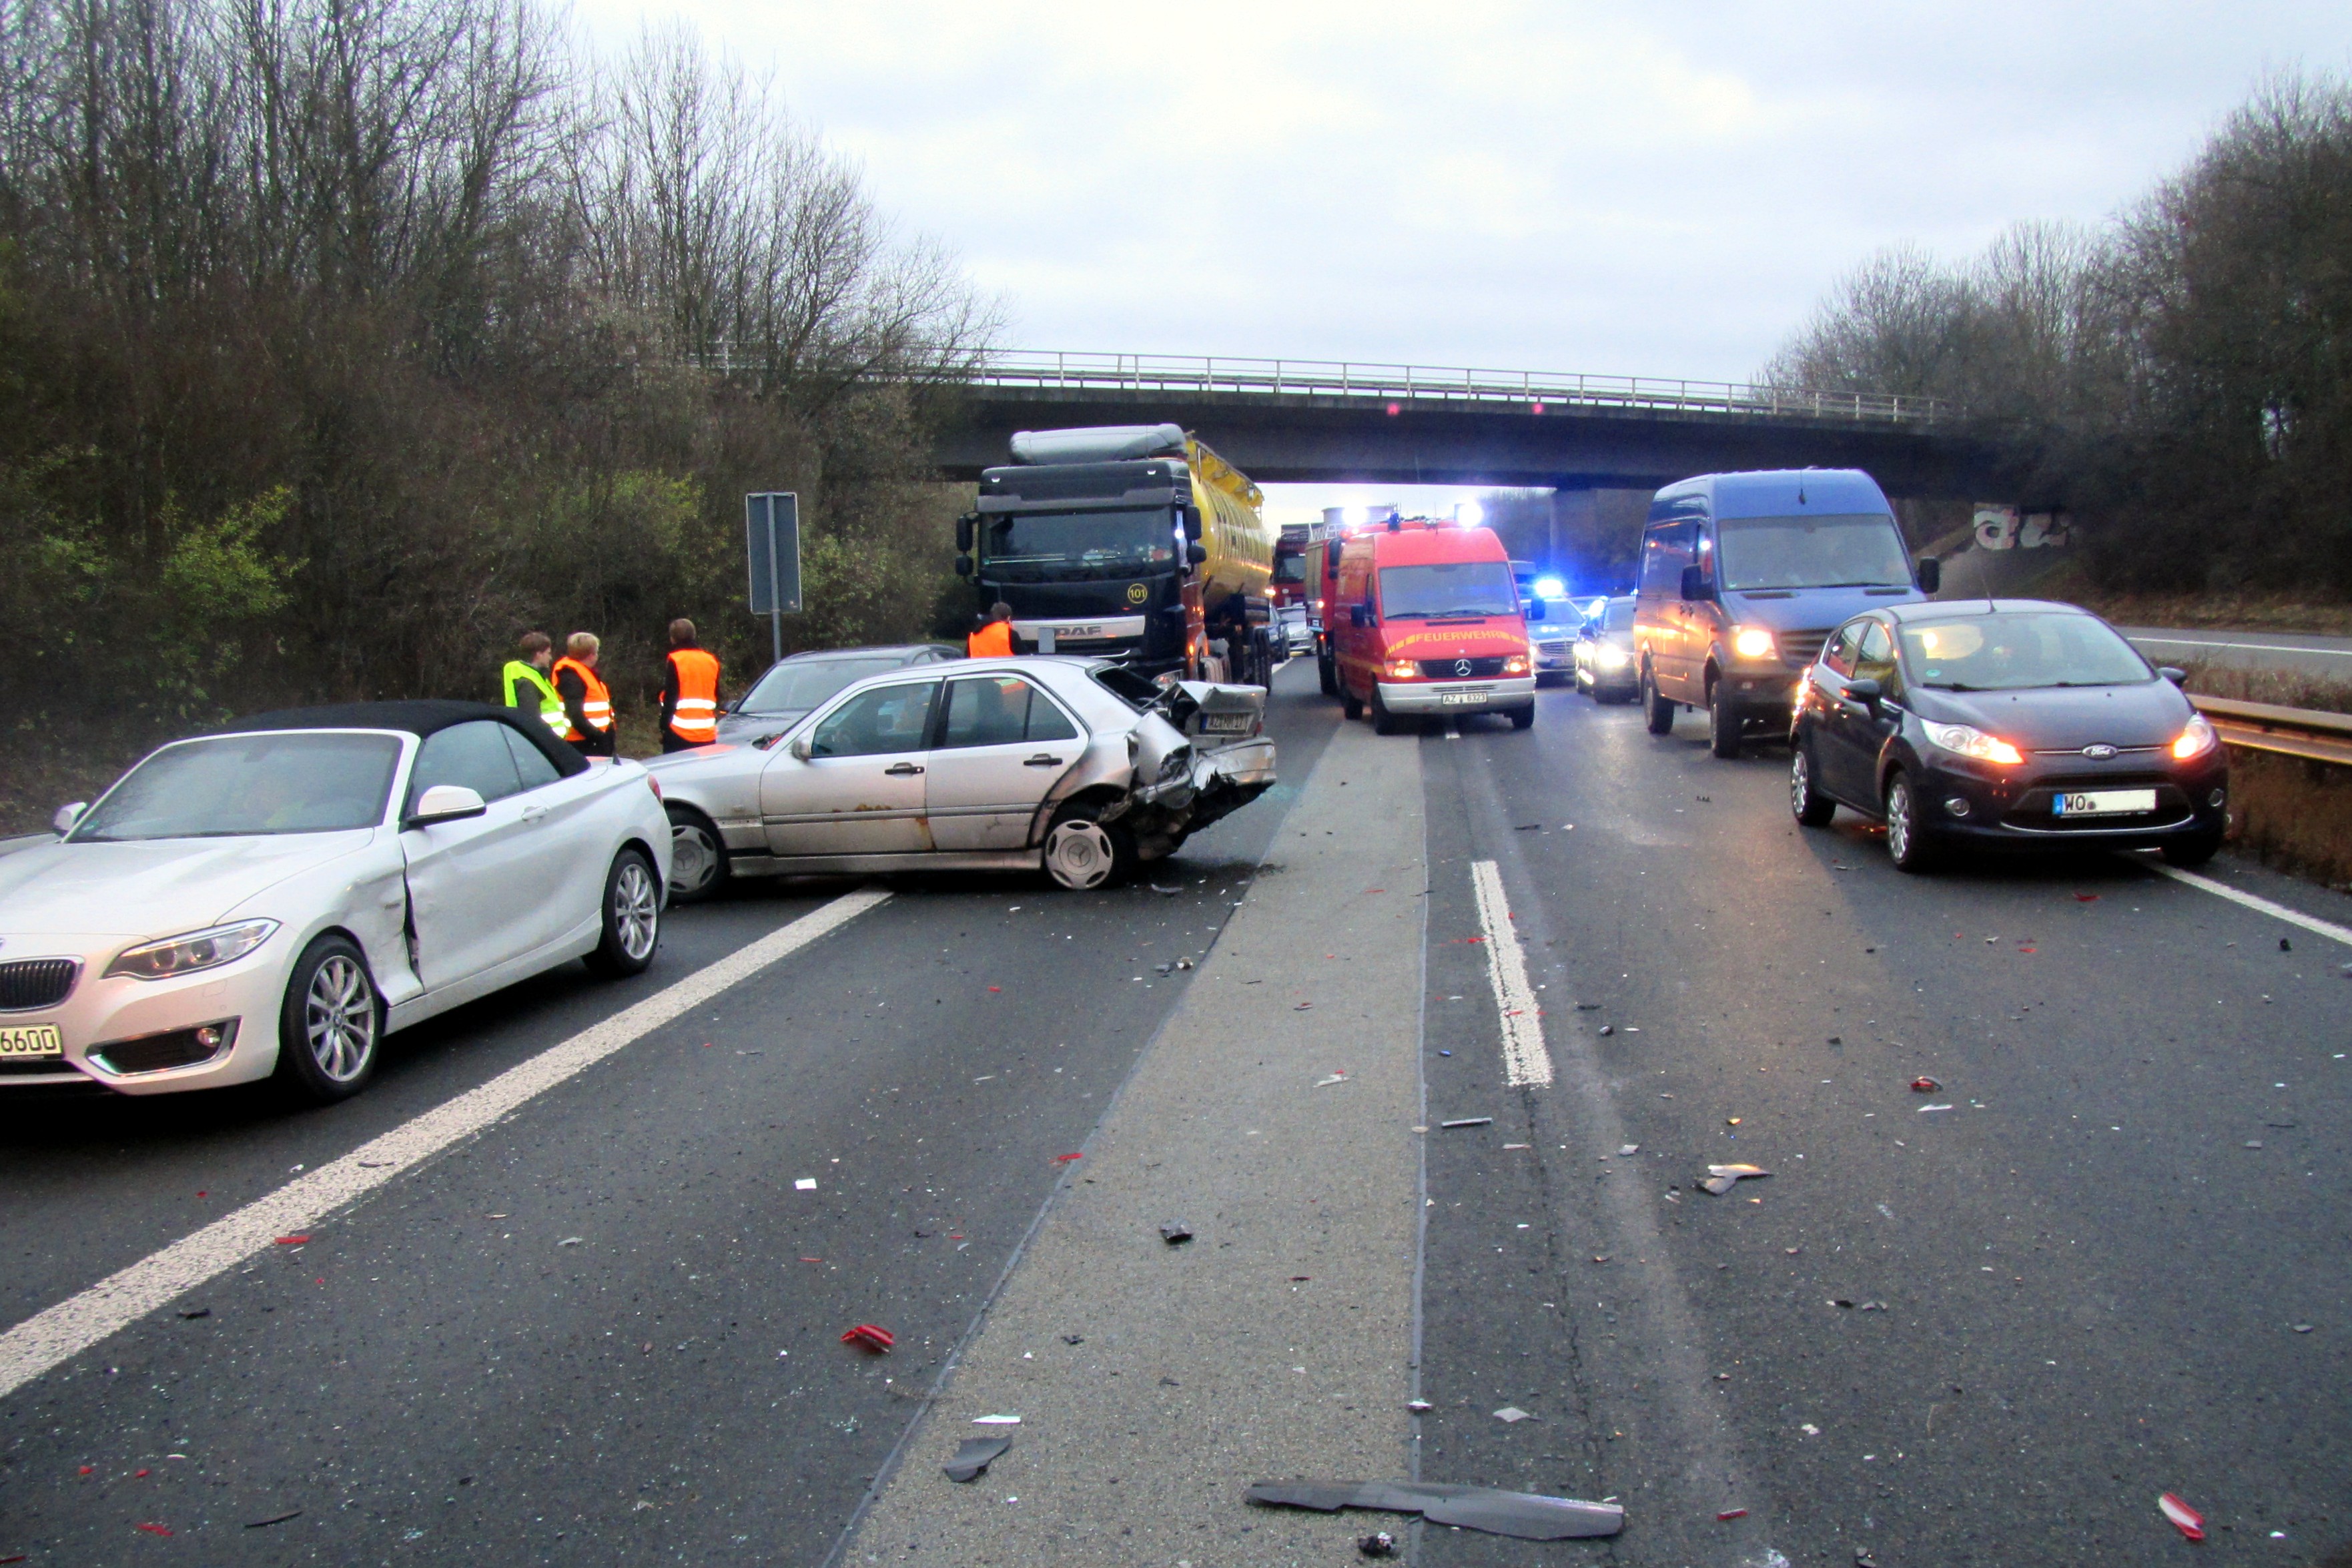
{"points": [[771, 545]]}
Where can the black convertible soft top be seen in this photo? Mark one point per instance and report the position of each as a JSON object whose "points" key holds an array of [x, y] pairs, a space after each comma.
{"points": [[419, 718]]}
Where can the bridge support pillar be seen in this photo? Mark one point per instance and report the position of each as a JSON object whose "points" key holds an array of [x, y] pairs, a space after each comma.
{"points": [[1572, 518]]}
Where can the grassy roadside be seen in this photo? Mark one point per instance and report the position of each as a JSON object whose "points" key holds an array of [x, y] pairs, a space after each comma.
{"points": [[2217, 612], [2291, 814]]}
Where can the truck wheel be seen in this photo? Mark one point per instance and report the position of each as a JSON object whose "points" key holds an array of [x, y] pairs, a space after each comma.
{"points": [[1082, 854], [1326, 676], [1383, 721], [1349, 704], [1524, 718], [1722, 720], [1655, 709]]}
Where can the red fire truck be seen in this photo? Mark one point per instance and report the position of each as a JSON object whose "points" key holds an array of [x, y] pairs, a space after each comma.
{"points": [[1423, 617]]}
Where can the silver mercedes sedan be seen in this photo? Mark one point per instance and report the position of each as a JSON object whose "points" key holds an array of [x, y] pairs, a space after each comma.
{"points": [[1075, 766]]}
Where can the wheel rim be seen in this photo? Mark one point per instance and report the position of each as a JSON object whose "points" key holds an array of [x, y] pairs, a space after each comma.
{"points": [[636, 913], [1899, 821], [693, 857], [1713, 719], [1801, 784], [1078, 854], [338, 1018]]}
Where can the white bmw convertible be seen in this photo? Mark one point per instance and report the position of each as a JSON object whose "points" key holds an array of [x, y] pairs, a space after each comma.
{"points": [[277, 898]]}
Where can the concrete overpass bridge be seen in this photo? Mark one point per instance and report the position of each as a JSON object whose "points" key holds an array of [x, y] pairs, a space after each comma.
{"points": [[1336, 421]]}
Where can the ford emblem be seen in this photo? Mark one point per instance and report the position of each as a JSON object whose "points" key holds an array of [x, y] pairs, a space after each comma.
{"points": [[2099, 753], [1461, 667]]}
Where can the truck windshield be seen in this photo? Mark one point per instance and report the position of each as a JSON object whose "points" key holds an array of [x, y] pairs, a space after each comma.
{"points": [[1454, 588], [1076, 546], [1852, 550]]}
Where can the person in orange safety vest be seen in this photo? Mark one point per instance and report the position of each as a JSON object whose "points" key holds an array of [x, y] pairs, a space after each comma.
{"points": [[689, 695], [994, 639], [587, 702]]}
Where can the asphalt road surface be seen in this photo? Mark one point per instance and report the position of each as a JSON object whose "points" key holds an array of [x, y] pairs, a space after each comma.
{"points": [[606, 1328], [2291, 653]]}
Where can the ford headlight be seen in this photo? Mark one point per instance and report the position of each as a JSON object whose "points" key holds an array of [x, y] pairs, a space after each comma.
{"points": [[197, 949], [1968, 741], [2195, 741]]}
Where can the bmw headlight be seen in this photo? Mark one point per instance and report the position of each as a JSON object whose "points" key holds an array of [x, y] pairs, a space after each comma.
{"points": [[196, 949]]}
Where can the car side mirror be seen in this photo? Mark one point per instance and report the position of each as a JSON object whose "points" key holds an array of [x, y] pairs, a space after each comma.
{"points": [[2171, 672], [1359, 616], [1866, 691], [445, 802], [1931, 574], [67, 816], [1195, 552], [1695, 584], [963, 565], [966, 526], [800, 746]]}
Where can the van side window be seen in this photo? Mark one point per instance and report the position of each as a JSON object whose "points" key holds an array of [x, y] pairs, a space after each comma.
{"points": [[1874, 659], [1840, 654], [1666, 551]]}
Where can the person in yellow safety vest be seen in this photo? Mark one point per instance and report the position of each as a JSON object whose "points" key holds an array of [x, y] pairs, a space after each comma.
{"points": [[689, 694], [525, 684], [994, 639], [587, 702]]}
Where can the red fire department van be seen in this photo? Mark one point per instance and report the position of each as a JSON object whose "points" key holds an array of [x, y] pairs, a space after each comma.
{"points": [[1424, 618]]}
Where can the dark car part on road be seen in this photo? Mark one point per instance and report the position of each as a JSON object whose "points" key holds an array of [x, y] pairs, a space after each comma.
{"points": [[1523, 1516], [1379, 1543], [974, 1455], [1175, 1232]]}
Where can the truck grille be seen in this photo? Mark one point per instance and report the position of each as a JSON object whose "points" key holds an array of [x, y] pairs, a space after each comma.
{"points": [[1799, 649], [1462, 668], [31, 982]]}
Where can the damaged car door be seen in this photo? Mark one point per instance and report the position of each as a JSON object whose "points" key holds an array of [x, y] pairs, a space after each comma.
{"points": [[1003, 743], [852, 784]]}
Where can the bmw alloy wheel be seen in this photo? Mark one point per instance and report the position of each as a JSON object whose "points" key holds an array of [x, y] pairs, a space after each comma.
{"points": [[636, 910], [338, 1018]]}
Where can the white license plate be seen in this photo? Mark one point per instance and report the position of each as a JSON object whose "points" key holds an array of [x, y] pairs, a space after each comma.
{"points": [[1224, 723], [1462, 699], [2103, 803], [30, 1042]]}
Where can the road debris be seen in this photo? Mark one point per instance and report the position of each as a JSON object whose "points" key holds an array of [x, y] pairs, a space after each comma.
{"points": [[2186, 1520], [1922, 1084], [1629, 1148], [284, 1241], [1469, 1121], [869, 1336], [192, 1312], [1925, 1109], [1379, 1543], [973, 1456], [1419, 1406], [996, 1421], [166, 1530], [1065, 1159], [805, 1183], [1721, 1179], [2286, 946], [1511, 1415], [570, 1241], [274, 1519], [1724, 1515], [1608, 1030], [1327, 1082], [1175, 1232], [1523, 1516], [2301, 1328]]}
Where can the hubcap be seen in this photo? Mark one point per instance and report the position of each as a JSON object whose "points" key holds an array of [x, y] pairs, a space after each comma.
{"points": [[338, 1018], [636, 913], [693, 859], [1078, 854], [1899, 821]]}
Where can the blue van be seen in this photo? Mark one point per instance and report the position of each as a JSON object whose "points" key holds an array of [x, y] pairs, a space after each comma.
{"points": [[1744, 577]]}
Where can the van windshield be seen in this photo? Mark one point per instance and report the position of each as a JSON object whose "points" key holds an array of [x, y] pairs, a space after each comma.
{"points": [[1452, 588], [1850, 550]]}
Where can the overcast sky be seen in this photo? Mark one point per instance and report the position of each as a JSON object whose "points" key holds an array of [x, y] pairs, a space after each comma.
{"points": [[1658, 190]]}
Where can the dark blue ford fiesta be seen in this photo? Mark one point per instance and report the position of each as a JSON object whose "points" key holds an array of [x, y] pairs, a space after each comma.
{"points": [[2003, 724]]}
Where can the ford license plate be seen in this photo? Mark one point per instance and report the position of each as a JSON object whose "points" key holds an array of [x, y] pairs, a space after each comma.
{"points": [[1462, 699], [30, 1042], [2103, 803]]}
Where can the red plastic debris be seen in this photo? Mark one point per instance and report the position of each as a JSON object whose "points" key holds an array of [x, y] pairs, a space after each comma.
{"points": [[2186, 1520], [203, 1195], [1065, 1159], [154, 1528], [812, 1260], [1922, 1084], [139, 1475], [292, 1240], [1730, 1513], [2028, 950], [869, 1336], [996, 988], [20, 1557], [2086, 898]]}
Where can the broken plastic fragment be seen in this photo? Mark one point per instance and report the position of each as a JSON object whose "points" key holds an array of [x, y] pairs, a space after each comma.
{"points": [[1419, 1406], [1511, 1415], [1379, 1543], [996, 1421], [282, 1241], [2186, 1520], [1922, 1084], [1925, 1109], [805, 1183], [1730, 1513], [973, 1456], [1608, 1028], [274, 1519], [1327, 1082], [1175, 1232], [869, 1336], [1065, 1159], [166, 1530], [1524, 1516], [1469, 1121], [1721, 1179]]}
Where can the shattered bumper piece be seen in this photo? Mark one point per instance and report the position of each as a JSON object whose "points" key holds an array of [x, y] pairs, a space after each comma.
{"points": [[1523, 1516], [1721, 1179], [974, 1455]]}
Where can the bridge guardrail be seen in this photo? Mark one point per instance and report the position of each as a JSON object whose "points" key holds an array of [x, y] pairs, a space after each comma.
{"points": [[1347, 378], [2287, 731]]}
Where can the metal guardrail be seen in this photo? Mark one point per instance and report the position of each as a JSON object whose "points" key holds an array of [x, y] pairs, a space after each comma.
{"points": [[1535, 389], [2285, 731]]}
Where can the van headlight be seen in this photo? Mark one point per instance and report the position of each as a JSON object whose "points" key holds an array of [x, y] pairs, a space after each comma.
{"points": [[1752, 642], [175, 955]]}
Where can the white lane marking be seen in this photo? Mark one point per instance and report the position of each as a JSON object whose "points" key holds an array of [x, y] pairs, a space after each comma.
{"points": [[1525, 1059], [2251, 647], [50, 1338], [2223, 890]]}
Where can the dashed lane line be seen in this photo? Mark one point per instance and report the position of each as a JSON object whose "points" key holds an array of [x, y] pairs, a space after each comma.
{"points": [[1527, 1060], [2333, 932], [51, 1337]]}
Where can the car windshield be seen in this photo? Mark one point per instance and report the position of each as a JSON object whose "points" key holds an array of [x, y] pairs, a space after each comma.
{"points": [[1617, 618], [288, 782], [1852, 550], [798, 685], [1452, 588], [2012, 652], [1063, 546]]}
